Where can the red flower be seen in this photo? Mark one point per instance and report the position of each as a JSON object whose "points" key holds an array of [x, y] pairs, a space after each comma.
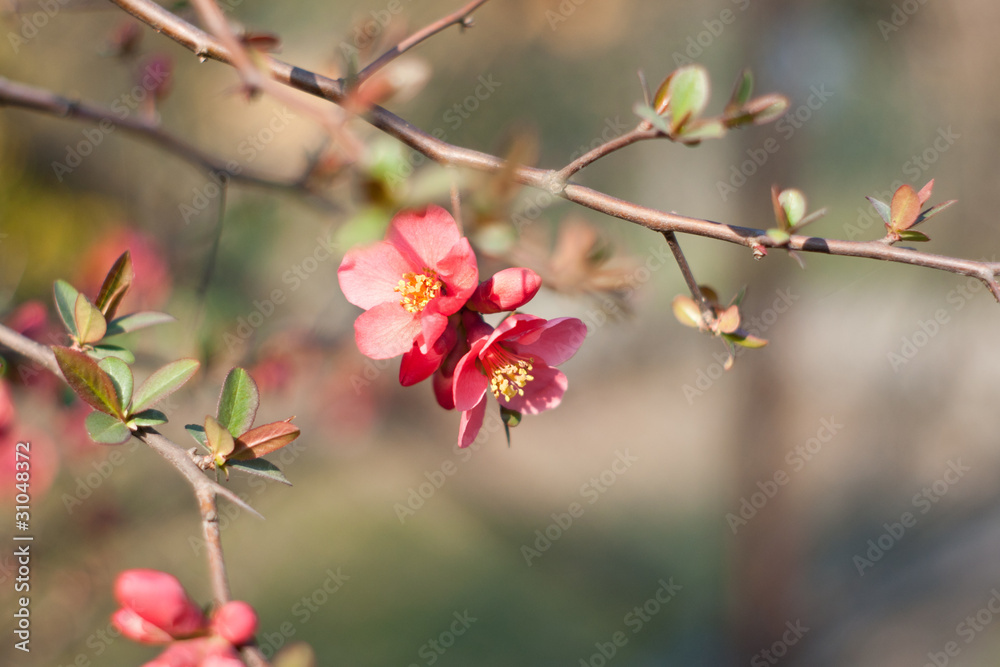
{"points": [[409, 283], [515, 362]]}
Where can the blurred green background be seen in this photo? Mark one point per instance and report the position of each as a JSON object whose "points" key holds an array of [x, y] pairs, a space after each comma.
{"points": [[881, 93]]}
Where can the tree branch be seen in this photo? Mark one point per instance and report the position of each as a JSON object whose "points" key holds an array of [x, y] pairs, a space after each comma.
{"points": [[642, 132], [447, 154], [20, 95], [461, 17], [689, 279]]}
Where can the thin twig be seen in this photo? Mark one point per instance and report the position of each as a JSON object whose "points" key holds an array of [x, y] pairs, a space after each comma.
{"points": [[461, 17], [448, 154], [217, 24], [19, 95], [642, 132], [695, 289]]}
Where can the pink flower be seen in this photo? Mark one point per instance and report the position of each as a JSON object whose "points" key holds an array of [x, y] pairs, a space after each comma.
{"points": [[515, 362], [200, 652], [409, 283], [506, 290]]}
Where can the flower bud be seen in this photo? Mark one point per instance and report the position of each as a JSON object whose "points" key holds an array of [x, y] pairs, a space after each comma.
{"points": [[159, 599], [506, 290], [236, 622]]}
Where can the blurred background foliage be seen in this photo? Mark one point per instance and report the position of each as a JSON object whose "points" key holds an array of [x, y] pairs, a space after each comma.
{"points": [[562, 74]]}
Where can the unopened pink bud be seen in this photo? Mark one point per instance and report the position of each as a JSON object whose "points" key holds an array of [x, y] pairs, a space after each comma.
{"points": [[159, 599], [236, 622], [505, 290], [133, 626]]}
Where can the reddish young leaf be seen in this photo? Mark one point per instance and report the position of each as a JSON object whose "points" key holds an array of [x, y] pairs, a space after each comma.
{"points": [[116, 284], [87, 379], [925, 192], [263, 440], [904, 209]]}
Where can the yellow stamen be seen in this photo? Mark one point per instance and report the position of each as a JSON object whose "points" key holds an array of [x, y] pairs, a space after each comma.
{"points": [[418, 289], [508, 372]]}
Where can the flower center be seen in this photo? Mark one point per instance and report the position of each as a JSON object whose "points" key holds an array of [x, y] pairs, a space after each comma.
{"points": [[418, 289], [508, 372]]}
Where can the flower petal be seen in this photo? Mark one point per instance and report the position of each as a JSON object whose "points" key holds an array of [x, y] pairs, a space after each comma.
{"points": [[369, 276], [471, 422], [385, 331], [470, 382], [554, 342], [460, 274], [160, 599], [418, 365], [424, 237], [138, 629], [543, 393]]}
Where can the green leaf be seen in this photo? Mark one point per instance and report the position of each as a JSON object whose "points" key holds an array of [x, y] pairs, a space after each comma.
{"points": [[164, 382], [220, 441], [106, 429], [766, 108], [104, 350], [65, 298], [745, 340], [913, 235], [700, 130], [511, 418], [261, 468], [148, 418], [779, 236], [197, 431], [90, 324], [688, 92], [136, 321], [87, 379], [812, 217], [649, 114], [263, 440], [881, 208], [794, 204], [904, 209], [742, 90], [934, 210], [121, 377], [116, 284], [238, 402]]}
